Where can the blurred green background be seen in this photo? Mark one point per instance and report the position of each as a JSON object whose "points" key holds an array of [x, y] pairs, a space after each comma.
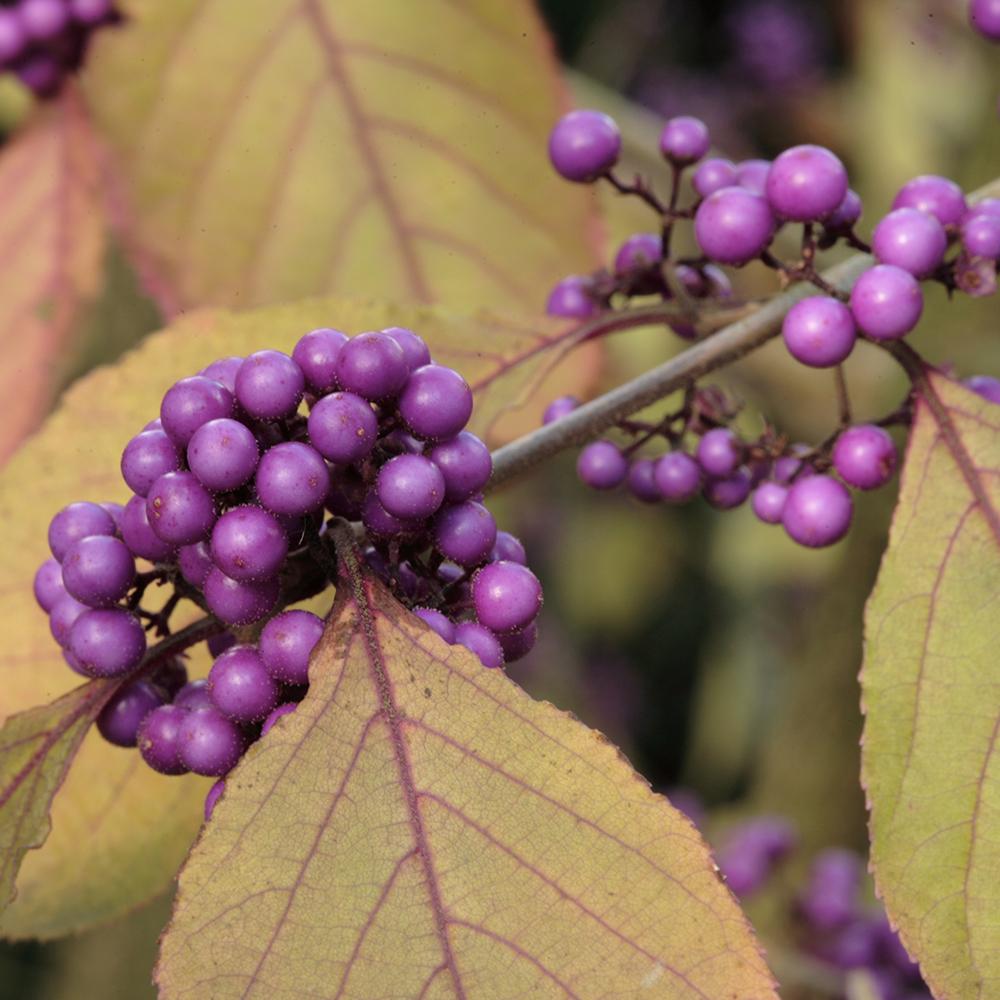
{"points": [[716, 654]]}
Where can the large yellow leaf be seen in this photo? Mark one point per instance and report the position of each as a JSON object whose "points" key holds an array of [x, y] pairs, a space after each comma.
{"points": [[931, 749], [51, 245], [421, 827], [274, 149], [119, 830]]}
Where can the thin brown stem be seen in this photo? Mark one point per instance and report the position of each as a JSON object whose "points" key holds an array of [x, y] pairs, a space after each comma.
{"points": [[843, 398]]}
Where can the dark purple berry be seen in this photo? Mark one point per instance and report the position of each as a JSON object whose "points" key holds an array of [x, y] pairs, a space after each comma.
{"points": [[465, 533], [506, 596], [121, 717], [194, 562], [65, 611], [107, 642], [210, 744], [410, 487], [224, 370], [343, 427], [158, 739], [139, 536], [381, 523], [98, 570], [194, 695], [238, 602], [516, 645], [638, 253], [414, 348], [269, 385], [48, 584], [846, 215], [170, 677], [372, 365], [508, 547], [465, 463], [316, 355], [641, 481], [727, 492]]}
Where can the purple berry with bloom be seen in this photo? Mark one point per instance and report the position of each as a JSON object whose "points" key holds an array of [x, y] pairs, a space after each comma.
{"points": [[981, 236], [819, 331], [120, 719], [210, 744], [583, 145], [984, 16], [65, 611], [571, 298], [719, 452], [886, 302], [414, 348], [286, 643], [343, 427], [938, 196], [139, 536], [107, 642], [641, 481], [158, 739], [678, 477], [506, 596], [435, 403], [516, 645], [846, 215], [98, 570], [684, 140], [194, 696], [149, 455], [372, 365], [602, 466], [465, 533], [383, 524], [248, 543], [832, 892], [316, 355], [239, 602], [292, 479], [43, 20], [241, 687], [638, 253], [806, 183], [224, 370], [752, 175], [865, 456], [984, 385], [192, 402], [75, 521], [558, 408], [727, 492], [223, 454], [910, 239], [438, 623], [480, 641], [269, 385], [13, 39], [180, 510], [733, 225], [410, 487], [508, 547], [818, 511], [48, 584], [769, 501], [465, 463], [714, 175]]}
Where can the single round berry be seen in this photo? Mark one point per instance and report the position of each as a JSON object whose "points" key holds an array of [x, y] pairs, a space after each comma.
{"points": [[508, 547], [789, 467], [286, 643], [249, 543], [180, 510], [571, 298], [678, 477], [107, 642], [292, 478], [65, 611], [846, 215], [13, 38], [240, 686], [224, 370], [98, 570], [223, 454], [139, 536], [158, 739], [714, 175], [985, 386], [343, 427], [210, 744], [410, 487], [719, 452], [769, 501], [269, 385], [435, 403], [516, 645], [806, 183], [75, 521], [641, 481], [48, 584], [481, 641], [684, 140], [465, 533], [865, 456], [116, 510], [192, 402], [239, 602], [639, 252], [558, 408], [146, 457], [506, 596], [43, 20], [381, 523], [602, 466], [727, 492], [316, 355], [886, 302], [819, 331], [438, 623], [119, 720], [414, 347], [981, 236], [752, 175], [583, 145], [817, 512], [910, 239], [372, 365], [984, 16], [194, 562], [213, 796], [465, 463], [938, 196], [833, 890], [733, 225], [194, 696]]}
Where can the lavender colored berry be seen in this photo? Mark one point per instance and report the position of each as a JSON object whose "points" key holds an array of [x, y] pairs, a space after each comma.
{"points": [[292, 479], [938, 196], [210, 744], [508, 547], [641, 481], [571, 298], [139, 536], [465, 463], [817, 512], [435, 403], [224, 370], [13, 39], [287, 642], [381, 523], [48, 584], [180, 510], [678, 477], [985, 386], [438, 623], [819, 331], [684, 140], [149, 455], [480, 641], [223, 454], [981, 236], [768, 501], [98, 570], [239, 602], [846, 215], [752, 175], [910, 239], [727, 492], [241, 687], [120, 719], [714, 175], [414, 347], [43, 20], [806, 183], [316, 355], [984, 16], [158, 739], [865, 456], [719, 452], [583, 145], [733, 225], [192, 402], [75, 521], [638, 253], [886, 302], [465, 533], [559, 407], [372, 365], [269, 385], [107, 642], [65, 611], [506, 596], [213, 796], [194, 696], [602, 466], [410, 487], [343, 427], [248, 543]]}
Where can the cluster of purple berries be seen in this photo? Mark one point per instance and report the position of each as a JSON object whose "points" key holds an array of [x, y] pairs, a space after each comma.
{"points": [[831, 921], [43, 41], [230, 489]]}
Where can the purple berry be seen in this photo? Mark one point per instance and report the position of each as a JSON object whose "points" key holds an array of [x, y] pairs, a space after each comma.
{"points": [[316, 355], [984, 15], [641, 481], [107, 642], [516, 645], [986, 206], [269, 385], [13, 39], [180, 510], [279, 713], [789, 467], [602, 466], [982, 385], [75, 521], [146, 457], [769, 501], [121, 717], [192, 402], [292, 478], [727, 492], [733, 225], [832, 893], [508, 547], [239, 602], [414, 348], [719, 452], [140, 538], [465, 463], [98, 570], [438, 622], [213, 796], [910, 239], [480, 641], [158, 739], [465, 533], [846, 215], [287, 642], [818, 511], [343, 427], [41, 72], [678, 477], [938, 196], [223, 454], [48, 584], [558, 408], [372, 365], [865, 456], [210, 744], [886, 302], [981, 236], [435, 403], [714, 175], [583, 145], [43, 20], [819, 331], [410, 487], [806, 183], [639, 253], [752, 175], [240, 686], [571, 298], [381, 523], [73, 663], [194, 696], [224, 370], [248, 543], [684, 140], [506, 596], [62, 618]]}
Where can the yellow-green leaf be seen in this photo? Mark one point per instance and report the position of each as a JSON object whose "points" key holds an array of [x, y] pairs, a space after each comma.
{"points": [[931, 750], [273, 149], [420, 827], [51, 246]]}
